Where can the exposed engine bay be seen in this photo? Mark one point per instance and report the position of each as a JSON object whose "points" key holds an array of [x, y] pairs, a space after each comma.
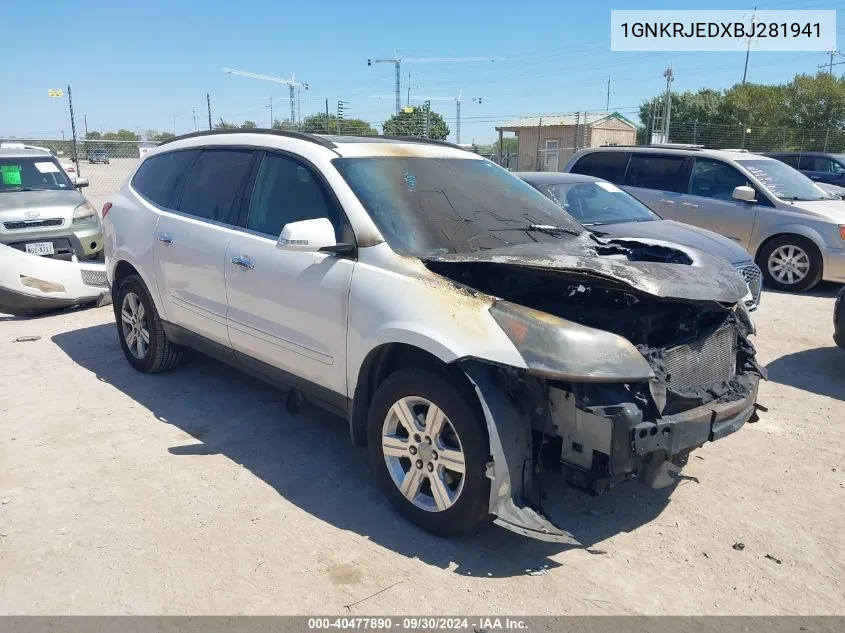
{"points": [[596, 416]]}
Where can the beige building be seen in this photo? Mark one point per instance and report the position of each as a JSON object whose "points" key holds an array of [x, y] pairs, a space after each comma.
{"points": [[547, 142]]}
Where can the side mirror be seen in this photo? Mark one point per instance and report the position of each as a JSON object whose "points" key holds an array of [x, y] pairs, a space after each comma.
{"points": [[746, 194], [80, 182], [307, 235]]}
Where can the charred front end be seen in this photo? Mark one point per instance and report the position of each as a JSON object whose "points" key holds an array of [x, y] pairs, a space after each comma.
{"points": [[634, 357]]}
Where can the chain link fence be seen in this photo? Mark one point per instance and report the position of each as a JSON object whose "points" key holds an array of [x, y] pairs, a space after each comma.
{"points": [[753, 138]]}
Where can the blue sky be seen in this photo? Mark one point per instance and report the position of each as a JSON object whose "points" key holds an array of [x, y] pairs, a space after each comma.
{"points": [[137, 65]]}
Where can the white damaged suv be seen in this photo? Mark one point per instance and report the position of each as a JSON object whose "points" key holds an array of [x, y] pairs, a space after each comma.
{"points": [[470, 332]]}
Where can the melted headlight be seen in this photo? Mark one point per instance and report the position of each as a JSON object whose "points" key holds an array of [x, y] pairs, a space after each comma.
{"points": [[557, 348]]}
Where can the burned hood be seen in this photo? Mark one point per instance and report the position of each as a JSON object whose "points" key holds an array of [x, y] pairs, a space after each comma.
{"points": [[660, 269]]}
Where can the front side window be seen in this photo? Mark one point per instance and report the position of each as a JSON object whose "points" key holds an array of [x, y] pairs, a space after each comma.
{"points": [[214, 184], [287, 191], [657, 171], [783, 181], [32, 174], [159, 177], [715, 179], [608, 166], [452, 205], [826, 165]]}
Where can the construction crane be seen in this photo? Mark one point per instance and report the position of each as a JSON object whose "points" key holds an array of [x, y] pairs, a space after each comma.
{"points": [[397, 63], [291, 83], [458, 100]]}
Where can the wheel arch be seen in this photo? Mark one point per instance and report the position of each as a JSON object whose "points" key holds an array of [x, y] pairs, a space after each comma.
{"points": [[788, 231], [382, 361], [123, 269]]}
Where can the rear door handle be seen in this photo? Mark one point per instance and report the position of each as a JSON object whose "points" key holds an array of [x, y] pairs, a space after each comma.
{"points": [[165, 238], [689, 204], [243, 262]]}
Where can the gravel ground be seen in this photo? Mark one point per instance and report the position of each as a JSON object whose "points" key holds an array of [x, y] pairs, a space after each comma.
{"points": [[195, 493]]}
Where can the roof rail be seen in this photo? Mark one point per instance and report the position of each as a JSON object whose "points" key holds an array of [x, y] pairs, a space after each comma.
{"points": [[675, 146], [300, 135], [418, 139]]}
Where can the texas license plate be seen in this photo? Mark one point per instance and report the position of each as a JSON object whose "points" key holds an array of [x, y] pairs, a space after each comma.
{"points": [[40, 248]]}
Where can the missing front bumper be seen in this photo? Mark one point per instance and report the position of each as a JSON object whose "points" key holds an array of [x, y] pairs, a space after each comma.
{"points": [[604, 441]]}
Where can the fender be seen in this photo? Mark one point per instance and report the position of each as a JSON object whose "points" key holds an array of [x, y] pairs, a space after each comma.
{"points": [[789, 228]]}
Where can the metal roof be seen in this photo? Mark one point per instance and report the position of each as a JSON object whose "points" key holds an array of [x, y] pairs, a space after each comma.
{"points": [[553, 177], [591, 118]]}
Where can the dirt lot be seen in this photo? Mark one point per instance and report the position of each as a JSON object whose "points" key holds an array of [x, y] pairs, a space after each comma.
{"points": [[194, 492]]}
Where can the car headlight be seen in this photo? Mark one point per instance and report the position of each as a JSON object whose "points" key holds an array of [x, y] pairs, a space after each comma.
{"points": [[557, 348], [84, 212]]}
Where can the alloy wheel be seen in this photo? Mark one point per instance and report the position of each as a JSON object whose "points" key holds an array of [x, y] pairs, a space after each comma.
{"points": [[136, 333], [423, 453], [789, 264]]}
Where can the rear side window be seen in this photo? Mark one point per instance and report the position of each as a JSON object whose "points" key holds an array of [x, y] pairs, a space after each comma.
{"points": [[657, 171], [214, 183], [159, 177], [792, 161], [607, 165]]}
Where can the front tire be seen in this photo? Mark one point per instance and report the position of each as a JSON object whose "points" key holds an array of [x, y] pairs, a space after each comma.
{"points": [[141, 331], [791, 263], [429, 451]]}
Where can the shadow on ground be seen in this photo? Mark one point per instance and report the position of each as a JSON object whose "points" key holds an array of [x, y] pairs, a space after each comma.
{"points": [[824, 290], [818, 370], [309, 460]]}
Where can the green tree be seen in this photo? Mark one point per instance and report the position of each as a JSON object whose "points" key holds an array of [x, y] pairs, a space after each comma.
{"points": [[160, 136], [93, 136], [225, 125], [510, 145], [284, 125], [120, 135], [413, 124], [322, 123], [248, 125]]}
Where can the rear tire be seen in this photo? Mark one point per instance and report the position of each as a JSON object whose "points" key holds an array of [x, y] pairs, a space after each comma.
{"points": [[448, 502], [790, 263], [141, 331]]}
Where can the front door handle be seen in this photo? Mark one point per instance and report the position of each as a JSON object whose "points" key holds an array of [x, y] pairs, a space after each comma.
{"points": [[665, 201], [689, 204], [243, 262], [165, 238]]}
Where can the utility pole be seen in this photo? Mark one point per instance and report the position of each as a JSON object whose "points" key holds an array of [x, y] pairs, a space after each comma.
{"points": [[85, 116], [271, 111], [328, 121], [408, 102], [194, 113], [748, 50], [670, 77], [208, 101], [607, 103], [428, 119], [73, 129], [341, 107], [831, 63]]}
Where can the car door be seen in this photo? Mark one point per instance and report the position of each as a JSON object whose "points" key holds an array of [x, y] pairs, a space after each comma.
{"points": [[710, 204], [822, 169], [190, 246], [287, 310], [658, 181]]}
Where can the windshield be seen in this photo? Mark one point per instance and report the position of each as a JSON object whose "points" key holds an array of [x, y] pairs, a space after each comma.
{"points": [[451, 205], [597, 203], [783, 181], [32, 173]]}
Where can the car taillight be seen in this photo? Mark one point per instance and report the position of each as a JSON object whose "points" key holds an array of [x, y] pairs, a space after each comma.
{"points": [[106, 208]]}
